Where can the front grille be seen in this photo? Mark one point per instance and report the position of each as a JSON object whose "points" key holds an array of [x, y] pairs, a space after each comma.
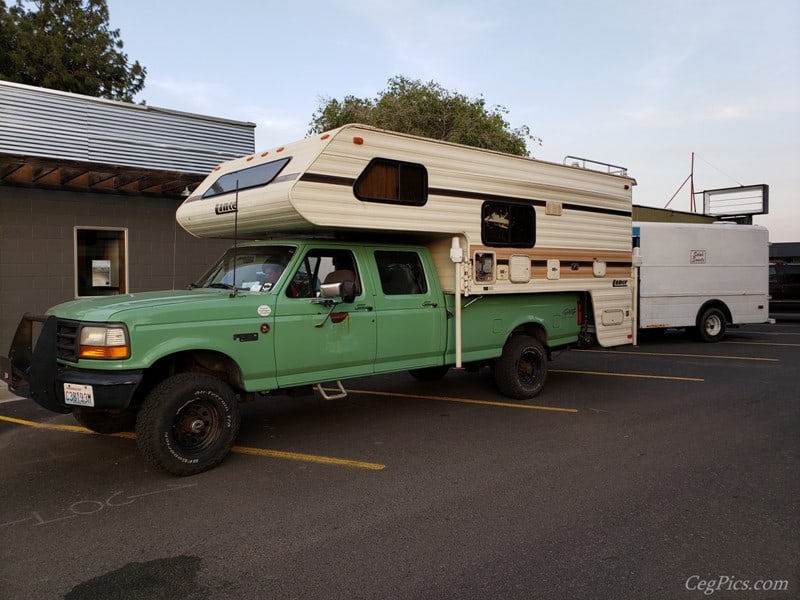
{"points": [[67, 340]]}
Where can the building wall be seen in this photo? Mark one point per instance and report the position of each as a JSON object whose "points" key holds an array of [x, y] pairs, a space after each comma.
{"points": [[663, 215], [37, 247]]}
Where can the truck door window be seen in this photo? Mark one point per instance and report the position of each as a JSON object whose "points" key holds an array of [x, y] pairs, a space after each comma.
{"points": [[400, 272], [508, 224], [322, 265]]}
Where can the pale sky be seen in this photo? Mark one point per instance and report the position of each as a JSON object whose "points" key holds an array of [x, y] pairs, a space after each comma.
{"points": [[637, 83]]}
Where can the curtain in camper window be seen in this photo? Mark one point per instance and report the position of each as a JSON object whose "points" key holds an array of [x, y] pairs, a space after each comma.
{"points": [[393, 182]]}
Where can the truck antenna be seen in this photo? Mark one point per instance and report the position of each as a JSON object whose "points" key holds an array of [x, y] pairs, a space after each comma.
{"points": [[235, 238]]}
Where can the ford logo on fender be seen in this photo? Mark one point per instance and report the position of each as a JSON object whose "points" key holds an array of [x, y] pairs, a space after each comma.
{"points": [[225, 207]]}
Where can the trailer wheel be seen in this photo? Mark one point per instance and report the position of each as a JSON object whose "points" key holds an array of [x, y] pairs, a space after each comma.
{"points": [[103, 421], [430, 373], [521, 370], [711, 325], [188, 424]]}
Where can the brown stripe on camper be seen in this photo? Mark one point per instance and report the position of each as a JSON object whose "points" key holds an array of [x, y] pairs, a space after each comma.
{"points": [[564, 255], [449, 193], [329, 179], [574, 263], [542, 203]]}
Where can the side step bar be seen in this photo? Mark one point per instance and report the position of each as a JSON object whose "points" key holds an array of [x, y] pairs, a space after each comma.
{"points": [[336, 393]]}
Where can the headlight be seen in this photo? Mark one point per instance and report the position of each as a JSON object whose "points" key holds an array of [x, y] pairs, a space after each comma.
{"points": [[110, 342]]}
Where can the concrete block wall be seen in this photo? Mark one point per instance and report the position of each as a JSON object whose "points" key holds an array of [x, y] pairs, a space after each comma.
{"points": [[37, 247]]}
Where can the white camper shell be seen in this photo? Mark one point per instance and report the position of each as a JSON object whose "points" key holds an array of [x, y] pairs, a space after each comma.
{"points": [[701, 276], [521, 225]]}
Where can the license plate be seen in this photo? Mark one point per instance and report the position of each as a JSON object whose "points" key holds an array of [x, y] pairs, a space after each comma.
{"points": [[79, 395]]}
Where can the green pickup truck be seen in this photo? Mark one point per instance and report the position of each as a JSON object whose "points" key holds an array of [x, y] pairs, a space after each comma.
{"points": [[272, 317]]}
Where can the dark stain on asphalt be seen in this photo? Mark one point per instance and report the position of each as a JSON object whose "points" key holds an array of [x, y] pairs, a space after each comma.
{"points": [[166, 578]]}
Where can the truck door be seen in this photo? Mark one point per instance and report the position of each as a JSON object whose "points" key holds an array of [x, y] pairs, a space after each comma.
{"points": [[409, 310], [311, 347]]}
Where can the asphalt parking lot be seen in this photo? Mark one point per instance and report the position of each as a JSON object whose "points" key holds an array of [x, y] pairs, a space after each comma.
{"points": [[667, 470]]}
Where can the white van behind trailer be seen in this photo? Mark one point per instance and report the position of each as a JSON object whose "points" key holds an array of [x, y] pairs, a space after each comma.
{"points": [[701, 276]]}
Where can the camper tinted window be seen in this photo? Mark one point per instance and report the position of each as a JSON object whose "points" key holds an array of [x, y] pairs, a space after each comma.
{"points": [[394, 182], [247, 178], [508, 224]]}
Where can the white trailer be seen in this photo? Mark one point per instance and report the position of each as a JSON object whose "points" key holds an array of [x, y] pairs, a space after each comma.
{"points": [[701, 276]]}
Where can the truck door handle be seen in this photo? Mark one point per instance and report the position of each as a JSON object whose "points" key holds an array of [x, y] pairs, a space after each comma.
{"points": [[366, 307], [430, 303]]}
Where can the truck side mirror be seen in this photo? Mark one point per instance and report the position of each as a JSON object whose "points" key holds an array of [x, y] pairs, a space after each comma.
{"points": [[346, 290]]}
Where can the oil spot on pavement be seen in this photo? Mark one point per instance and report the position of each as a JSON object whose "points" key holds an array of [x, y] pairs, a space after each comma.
{"points": [[167, 578]]}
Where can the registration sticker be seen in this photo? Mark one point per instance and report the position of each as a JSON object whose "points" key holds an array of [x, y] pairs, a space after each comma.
{"points": [[79, 395]]}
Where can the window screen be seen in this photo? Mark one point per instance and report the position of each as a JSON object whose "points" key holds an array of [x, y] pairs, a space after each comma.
{"points": [[508, 224]]}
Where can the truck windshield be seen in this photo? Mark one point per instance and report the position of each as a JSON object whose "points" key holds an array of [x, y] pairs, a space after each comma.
{"points": [[256, 269]]}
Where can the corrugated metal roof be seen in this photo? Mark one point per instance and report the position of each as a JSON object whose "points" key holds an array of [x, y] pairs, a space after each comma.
{"points": [[59, 125]]}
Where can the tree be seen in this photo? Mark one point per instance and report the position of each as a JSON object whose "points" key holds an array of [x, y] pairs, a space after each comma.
{"points": [[428, 110], [66, 45]]}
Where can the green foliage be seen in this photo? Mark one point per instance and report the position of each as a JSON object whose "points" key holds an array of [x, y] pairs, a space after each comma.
{"points": [[66, 45], [428, 110]]}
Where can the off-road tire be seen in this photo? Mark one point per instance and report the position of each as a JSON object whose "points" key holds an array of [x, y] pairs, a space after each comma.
{"points": [[521, 370], [103, 421], [188, 424]]}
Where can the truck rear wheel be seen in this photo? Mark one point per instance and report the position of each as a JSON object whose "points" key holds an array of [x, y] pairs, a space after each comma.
{"points": [[188, 424], [521, 370], [711, 325]]}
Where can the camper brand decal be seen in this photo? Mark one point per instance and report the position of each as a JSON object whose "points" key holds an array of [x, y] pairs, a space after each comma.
{"points": [[225, 207], [620, 283]]}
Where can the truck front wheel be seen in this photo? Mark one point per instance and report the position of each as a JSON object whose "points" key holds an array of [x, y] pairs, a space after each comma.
{"points": [[521, 370], [711, 325], [188, 424]]}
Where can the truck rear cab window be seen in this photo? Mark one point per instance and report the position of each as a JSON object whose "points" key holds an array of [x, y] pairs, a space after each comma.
{"points": [[508, 224], [393, 182], [256, 176], [401, 272]]}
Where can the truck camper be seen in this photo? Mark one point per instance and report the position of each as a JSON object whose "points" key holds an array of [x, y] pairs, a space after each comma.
{"points": [[358, 251]]}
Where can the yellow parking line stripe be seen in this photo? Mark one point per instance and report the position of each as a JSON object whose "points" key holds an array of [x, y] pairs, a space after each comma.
{"points": [[327, 460], [762, 343], [634, 375], [634, 353], [50, 426], [465, 401]]}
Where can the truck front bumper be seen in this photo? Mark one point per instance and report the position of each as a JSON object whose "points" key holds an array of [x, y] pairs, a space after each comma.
{"points": [[32, 371]]}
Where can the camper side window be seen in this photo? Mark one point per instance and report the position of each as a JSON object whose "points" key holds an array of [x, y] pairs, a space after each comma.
{"points": [[508, 224], [393, 182]]}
